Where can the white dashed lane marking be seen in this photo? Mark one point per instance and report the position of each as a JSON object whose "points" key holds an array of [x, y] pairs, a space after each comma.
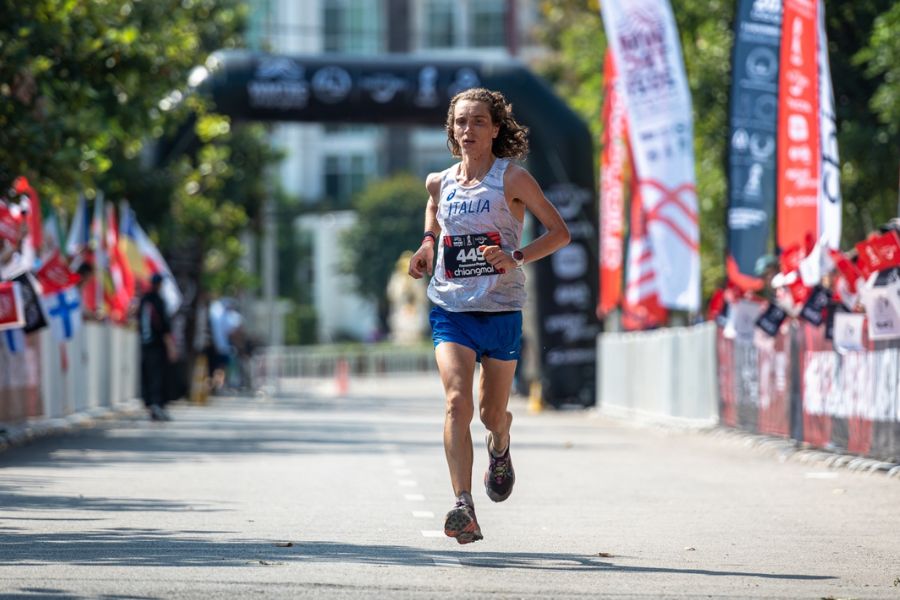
{"points": [[415, 497], [423, 514], [406, 483], [432, 533]]}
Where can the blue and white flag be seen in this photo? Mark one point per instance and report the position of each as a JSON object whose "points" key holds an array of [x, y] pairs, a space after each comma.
{"points": [[64, 310]]}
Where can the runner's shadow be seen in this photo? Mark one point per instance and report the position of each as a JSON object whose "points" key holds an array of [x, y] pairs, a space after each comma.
{"points": [[532, 561], [156, 547]]}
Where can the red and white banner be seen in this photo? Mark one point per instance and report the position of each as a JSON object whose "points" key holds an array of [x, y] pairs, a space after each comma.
{"points": [[830, 174], [613, 161], [798, 126], [12, 315], [641, 308], [647, 52]]}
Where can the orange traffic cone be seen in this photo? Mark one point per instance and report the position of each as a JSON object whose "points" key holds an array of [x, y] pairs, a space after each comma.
{"points": [[341, 377]]}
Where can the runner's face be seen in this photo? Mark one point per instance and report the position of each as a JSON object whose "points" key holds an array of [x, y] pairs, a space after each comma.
{"points": [[472, 127]]}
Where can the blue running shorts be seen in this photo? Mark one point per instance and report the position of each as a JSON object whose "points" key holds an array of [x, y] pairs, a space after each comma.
{"points": [[495, 335]]}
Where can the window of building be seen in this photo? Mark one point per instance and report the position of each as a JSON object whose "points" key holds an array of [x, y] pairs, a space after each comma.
{"points": [[487, 23], [353, 26], [440, 24], [346, 175]]}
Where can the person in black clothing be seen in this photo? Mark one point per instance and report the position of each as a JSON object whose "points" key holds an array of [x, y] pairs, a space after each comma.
{"points": [[157, 350]]}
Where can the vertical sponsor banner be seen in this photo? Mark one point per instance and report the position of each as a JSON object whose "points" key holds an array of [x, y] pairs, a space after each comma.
{"points": [[647, 53], [753, 122], [829, 203], [798, 126], [641, 308], [613, 160]]}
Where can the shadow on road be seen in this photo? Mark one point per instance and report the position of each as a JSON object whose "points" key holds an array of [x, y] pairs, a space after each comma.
{"points": [[277, 428], [153, 547]]}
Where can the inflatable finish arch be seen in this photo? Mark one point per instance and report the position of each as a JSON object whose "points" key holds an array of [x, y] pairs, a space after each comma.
{"points": [[409, 89]]}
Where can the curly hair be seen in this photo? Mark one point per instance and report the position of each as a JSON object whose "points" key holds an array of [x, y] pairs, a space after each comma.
{"points": [[511, 140]]}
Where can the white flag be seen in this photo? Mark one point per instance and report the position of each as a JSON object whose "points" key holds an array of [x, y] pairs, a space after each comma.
{"points": [[647, 52], [848, 332]]}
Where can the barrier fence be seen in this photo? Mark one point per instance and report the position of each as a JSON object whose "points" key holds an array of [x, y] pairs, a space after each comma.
{"points": [[798, 386], [272, 364], [95, 371], [794, 385], [660, 374]]}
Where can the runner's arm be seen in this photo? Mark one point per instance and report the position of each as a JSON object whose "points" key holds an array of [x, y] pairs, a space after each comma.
{"points": [[523, 192], [422, 261]]}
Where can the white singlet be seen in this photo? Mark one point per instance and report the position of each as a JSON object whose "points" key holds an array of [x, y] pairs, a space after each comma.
{"points": [[473, 216]]}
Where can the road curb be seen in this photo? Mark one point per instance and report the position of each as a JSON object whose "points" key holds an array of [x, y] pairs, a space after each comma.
{"points": [[786, 449], [22, 434]]}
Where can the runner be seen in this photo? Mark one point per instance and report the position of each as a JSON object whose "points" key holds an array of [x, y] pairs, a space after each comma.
{"points": [[476, 208]]}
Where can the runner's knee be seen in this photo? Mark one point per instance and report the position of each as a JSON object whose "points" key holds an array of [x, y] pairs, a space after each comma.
{"points": [[459, 407], [494, 418]]}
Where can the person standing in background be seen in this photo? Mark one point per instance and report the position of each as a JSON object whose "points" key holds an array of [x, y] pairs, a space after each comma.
{"points": [[157, 350]]}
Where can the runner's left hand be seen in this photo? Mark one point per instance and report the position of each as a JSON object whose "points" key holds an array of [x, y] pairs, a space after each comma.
{"points": [[497, 258]]}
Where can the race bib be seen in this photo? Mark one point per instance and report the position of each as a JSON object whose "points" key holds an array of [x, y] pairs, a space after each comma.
{"points": [[462, 257]]}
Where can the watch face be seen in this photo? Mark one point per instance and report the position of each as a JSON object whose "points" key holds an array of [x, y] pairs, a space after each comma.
{"points": [[517, 255]]}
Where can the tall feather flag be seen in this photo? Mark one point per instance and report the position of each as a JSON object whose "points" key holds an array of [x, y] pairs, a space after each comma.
{"points": [[613, 162], [829, 198], [145, 259], [647, 52], [641, 308]]}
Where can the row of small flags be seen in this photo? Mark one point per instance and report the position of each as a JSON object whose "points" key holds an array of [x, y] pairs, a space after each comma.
{"points": [[101, 267]]}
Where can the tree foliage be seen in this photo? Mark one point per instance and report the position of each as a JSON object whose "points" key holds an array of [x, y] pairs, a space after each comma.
{"points": [[864, 51], [93, 99]]}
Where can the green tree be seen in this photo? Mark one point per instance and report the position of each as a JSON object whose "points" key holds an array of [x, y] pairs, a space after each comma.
{"points": [[94, 98], [390, 213], [83, 81]]}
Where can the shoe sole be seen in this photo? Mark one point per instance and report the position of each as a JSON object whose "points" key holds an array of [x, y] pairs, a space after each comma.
{"points": [[462, 527]]}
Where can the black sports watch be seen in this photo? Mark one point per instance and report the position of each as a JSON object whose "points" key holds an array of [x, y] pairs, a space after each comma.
{"points": [[519, 258]]}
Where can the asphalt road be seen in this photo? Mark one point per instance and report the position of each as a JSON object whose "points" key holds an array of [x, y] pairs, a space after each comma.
{"points": [[308, 495]]}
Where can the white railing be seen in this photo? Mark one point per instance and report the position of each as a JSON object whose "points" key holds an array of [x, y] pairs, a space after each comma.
{"points": [[272, 364], [96, 370], [665, 374]]}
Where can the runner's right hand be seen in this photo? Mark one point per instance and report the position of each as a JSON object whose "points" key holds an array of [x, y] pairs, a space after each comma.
{"points": [[422, 261]]}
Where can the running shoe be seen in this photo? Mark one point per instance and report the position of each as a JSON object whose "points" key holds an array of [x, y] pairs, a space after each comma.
{"points": [[499, 477], [462, 524]]}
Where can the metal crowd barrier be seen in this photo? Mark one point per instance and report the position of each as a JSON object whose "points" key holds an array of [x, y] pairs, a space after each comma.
{"points": [[797, 386], [660, 375], [275, 363]]}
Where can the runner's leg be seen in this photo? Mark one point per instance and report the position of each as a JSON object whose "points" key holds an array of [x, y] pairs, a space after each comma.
{"points": [[494, 387], [456, 364]]}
